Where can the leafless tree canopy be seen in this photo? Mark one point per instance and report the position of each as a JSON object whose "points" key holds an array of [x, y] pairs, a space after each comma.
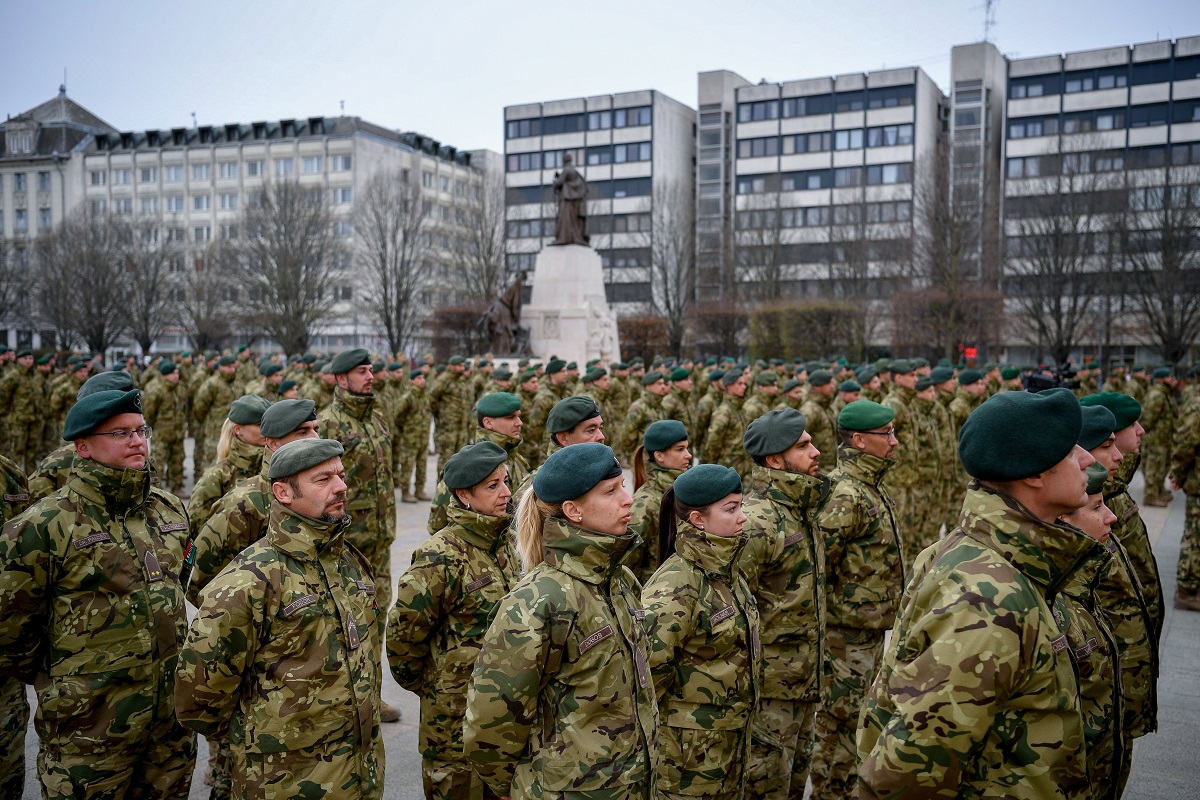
{"points": [[14, 281], [154, 269], [759, 254], [210, 294], [287, 263], [477, 259], [672, 245], [391, 230]]}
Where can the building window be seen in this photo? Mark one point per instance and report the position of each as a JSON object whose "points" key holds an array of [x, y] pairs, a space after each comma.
{"points": [[443, 183], [43, 181], [229, 230], [18, 181], [229, 201], [342, 195], [751, 184], [890, 135], [340, 163], [847, 176], [599, 120], [99, 207], [1029, 127], [343, 228], [807, 143], [758, 111], [850, 101], [149, 205], [312, 165], [1150, 72], [44, 219], [565, 123], [517, 162], [807, 106], [891, 96], [888, 174], [173, 173], [175, 203], [460, 189], [227, 169], [201, 202], [98, 177], [122, 176], [176, 234], [21, 219], [254, 169], [851, 139], [427, 180], [147, 174], [637, 151], [1034, 86], [202, 233], [520, 128], [1145, 116], [806, 180], [284, 167], [201, 172], [631, 117]]}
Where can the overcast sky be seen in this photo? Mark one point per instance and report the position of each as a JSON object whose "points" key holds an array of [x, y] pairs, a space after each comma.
{"points": [[447, 69]]}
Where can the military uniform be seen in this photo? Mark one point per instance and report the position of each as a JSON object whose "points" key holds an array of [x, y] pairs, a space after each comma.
{"points": [[561, 702], [21, 398], [59, 399], [518, 471], [723, 443], [93, 608], [210, 407], [784, 563], [941, 718], [281, 661], [705, 407], [237, 520], [165, 410], [642, 413], [644, 557], [244, 461], [52, 474], [451, 399], [903, 477], [928, 511], [706, 663], [444, 603], [410, 442], [533, 433], [1159, 417], [1185, 469], [820, 422], [864, 579], [14, 707], [759, 404], [1130, 529], [675, 406]]}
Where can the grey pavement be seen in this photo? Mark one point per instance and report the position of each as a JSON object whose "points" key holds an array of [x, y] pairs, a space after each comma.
{"points": [[1165, 764]]}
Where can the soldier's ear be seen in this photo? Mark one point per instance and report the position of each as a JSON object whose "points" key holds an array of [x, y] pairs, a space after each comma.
{"points": [[282, 492]]}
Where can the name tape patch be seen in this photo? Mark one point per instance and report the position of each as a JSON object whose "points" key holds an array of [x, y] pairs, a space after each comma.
{"points": [[722, 615], [16, 497], [1059, 644], [296, 605], [95, 538], [479, 583], [365, 586], [174, 526], [595, 639], [1087, 649], [795, 537]]}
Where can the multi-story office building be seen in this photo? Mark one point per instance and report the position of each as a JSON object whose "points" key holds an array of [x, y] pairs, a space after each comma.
{"points": [[636, 151]]}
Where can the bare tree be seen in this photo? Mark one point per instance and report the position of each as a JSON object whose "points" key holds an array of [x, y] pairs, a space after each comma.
{"points": [[671, 242], [1159, 236], [391, 227], [14, 281], [153, 267], [208, 304], [477, 255], [288, 263], [82, 277], [759, 253]]}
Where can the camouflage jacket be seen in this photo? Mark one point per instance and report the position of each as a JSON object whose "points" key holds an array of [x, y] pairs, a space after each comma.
{"points": [[60, 399], [644, 557], [1159, 416], [933, 424], [238, 520], [1185, 453], [90, 586], [21, 396], [701, 419], [978, 693], [165, 410], [784, 563], [444, 604], [533, 433], [52, 474], [706, 663], [210, 404], [452, 397], [561, 699], [244, 461], [411, 418], [642, 412], [675, 406], [961, 407], [282, 661], [820, 422], [518, 471], [864, 565], [354, 421], [903, 475], [757, 405], [1130, 529], [723, 442], [14, 498]]}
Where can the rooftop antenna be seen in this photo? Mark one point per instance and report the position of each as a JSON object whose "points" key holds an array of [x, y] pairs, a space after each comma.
{"points": [[342, 106], [989, 18], [194, 125]]}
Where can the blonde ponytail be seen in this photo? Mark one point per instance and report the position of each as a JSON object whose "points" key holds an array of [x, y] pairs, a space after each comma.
{"points": [[225, 443], [531, 517]]}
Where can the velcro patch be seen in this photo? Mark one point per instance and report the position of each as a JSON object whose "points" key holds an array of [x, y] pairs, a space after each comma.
{"points": [[722, 615], [1087, 649], [1129, 512], [95, 538], [595, 639], [479, 583], [296, 605], [174, 526], [873, 511], [365, 586], [795, 537], [639, 614], [16, 497], [1060, 643]]}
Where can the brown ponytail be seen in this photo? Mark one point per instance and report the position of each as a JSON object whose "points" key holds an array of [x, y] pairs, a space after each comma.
{"points": [[640, 456]]}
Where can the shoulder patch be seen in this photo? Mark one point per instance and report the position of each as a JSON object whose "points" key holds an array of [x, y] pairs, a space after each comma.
{"points": [[1060, 643], [365, 586], [596, 638], [296, 605], [1129, 512], [95, 538]]}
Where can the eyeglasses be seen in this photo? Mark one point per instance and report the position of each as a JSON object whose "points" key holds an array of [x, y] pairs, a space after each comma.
{"points": [[888, 432], [123, 436]]}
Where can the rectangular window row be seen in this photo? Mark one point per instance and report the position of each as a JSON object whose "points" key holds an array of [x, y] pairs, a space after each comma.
{"points": [[173, 173], [575, 123], [839, 177], [888, 97], [849, 139], [1088, 80], [597, 190], [592, 156]]}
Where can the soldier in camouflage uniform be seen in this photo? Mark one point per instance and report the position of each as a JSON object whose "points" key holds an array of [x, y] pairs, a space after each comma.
{"points": [[784, 563], [677, 402], [444, 603], [723, 442], [642, 412], [282, 658], [210, 406], [21, 398], [451, 400], [165, 407], [551, 391], [705, 649], [410, 442], [864, 569], [940, 718], [243, 460], [911, 433], [766, 393], [821, 420], [61, 397], [1159, 418], [93, 612], [662, 457], [561, 701], [705, 407], [1138, 384], [14, 707], [1185, 475], [928, 511]]}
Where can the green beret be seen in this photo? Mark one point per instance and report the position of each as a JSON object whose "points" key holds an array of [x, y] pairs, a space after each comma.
{"points": [[210, 354], [569, 412], [705, 484], [502, 374], [248, 409], [483, 362], [524, 362], [919, 362], [850, 386], [1124, 408], [527, 374], [166, 367], [227, 361], [105, 382], [864, 415], [1097, 475], [572, 365], [96, 408], [969, 376], [766, 379], [716, 375], [3, 348], [943, 362], [497, 404], [730, 377], [680, 374], [347, 360], [1016, 435], [309, 358], [571, 472], [25, 352], [295, 457], [394, 366], [662, 434], [414, 373], [287, 386], [941, 374], [267, 370], [652, 377], [1139, 368], [791, 384], [1098, 424], [471, 465], [901, 367], [865, 375], [456, 359], [924, 382], [285, 416], [377, 367], [592, 375], [1161, 372], [774, 432], [555, 365], [43, 359], [820, 377], [1008, 373], [710, 361], [813, 366]]}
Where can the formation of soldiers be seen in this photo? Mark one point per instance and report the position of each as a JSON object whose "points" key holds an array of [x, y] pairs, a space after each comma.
{"points": [[852, 479]]}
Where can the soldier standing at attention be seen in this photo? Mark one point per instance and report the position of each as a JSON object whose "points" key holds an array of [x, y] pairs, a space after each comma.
{"points": [[450, 399], [410, 444], [210, 406], [659, 460], [677, 402], [941, 719], [705, 407], [14, 707], [354, 419], [821, 422], [1185, 476], [165, 407], [1159, 418], [22, 401], [239, 456], [705, 652], [62, 396], [864, 578], [784, 563], [848, 392], [554, 389], [444, 602], [723, 442], [282, 657], [766, 392], [646, 409], [93, 613], [561, 699]]}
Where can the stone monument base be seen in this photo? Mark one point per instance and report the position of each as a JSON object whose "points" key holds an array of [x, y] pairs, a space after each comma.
{"points": [[568, 314]]}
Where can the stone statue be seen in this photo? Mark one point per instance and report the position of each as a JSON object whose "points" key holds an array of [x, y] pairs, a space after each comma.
{"points": [[570, 192], [501, 322]]}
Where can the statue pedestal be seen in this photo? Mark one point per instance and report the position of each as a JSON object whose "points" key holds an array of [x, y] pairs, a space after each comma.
{"points": [[568, 314]]}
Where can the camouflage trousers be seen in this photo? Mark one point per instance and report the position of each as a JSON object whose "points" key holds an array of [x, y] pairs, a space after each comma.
{"points": [[852, 657], [781, 749], [448, 442], [168, 457], [1188, 573], [23, 445], [410, 468], [197, 450], [1156, 463], [220, 760], [14, 718], [452, 780], [113, 735]]}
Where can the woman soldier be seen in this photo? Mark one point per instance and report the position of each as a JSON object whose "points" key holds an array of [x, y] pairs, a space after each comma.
{"points": [[705, 656], [443, 604], [239, 456], [561, 703], [659, 460]]}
